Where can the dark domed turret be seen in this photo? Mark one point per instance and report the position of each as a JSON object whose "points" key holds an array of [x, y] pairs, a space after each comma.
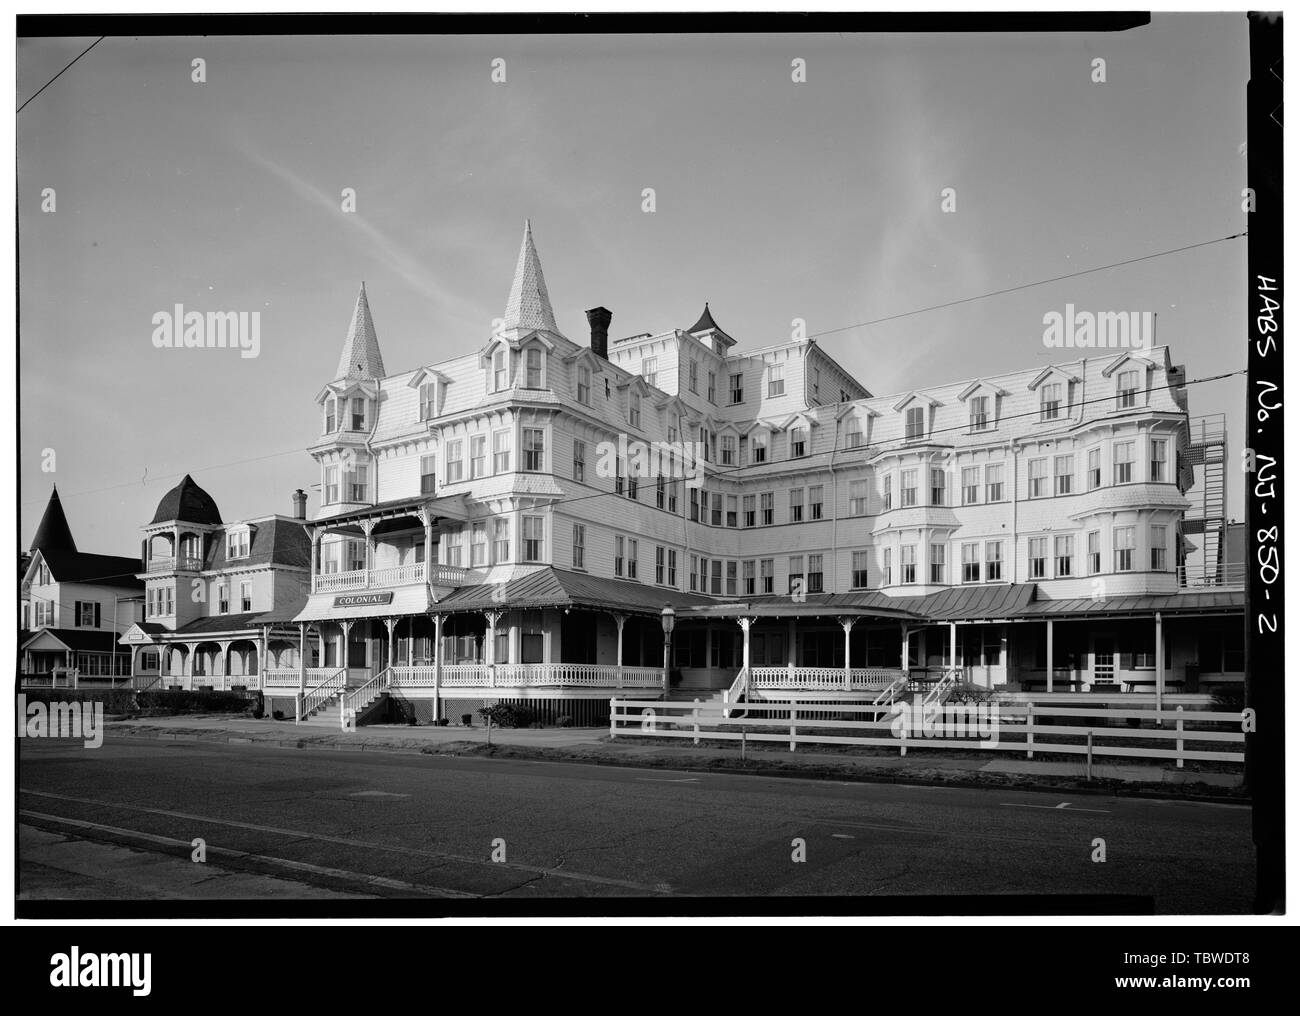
{"points": [[187, 502]]}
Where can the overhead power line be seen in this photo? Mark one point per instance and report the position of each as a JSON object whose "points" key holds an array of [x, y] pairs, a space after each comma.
{"points": [[60, 74]]}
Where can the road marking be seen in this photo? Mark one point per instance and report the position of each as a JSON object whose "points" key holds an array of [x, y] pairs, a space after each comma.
{"points": [[375, 793], [301, 867], [842, 836], [652, 779], [343, 841], [1056, 807]]}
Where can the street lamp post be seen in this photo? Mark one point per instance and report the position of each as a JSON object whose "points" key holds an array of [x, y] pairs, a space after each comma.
{"points": [[668, 618]]}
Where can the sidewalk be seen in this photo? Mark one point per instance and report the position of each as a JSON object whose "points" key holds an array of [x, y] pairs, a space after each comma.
{"points": [[593, 745]]}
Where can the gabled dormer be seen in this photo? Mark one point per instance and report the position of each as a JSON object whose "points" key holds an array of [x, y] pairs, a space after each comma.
{"points": [[431, 386], [587, 370], [348, 405], [917, 410], [856, 423], [1055, 387], [637, 398], [1132, 374], [984, 400], [517, 362]]}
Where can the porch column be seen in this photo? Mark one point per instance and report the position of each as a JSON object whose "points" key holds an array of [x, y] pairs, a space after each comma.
{"points": [[847, 624], [427, 519], [952, 644], [745, 624], [302, 669], [1160, 664], [263, 649], [391, 623], [368, 527], [618, 652], [134, 651], [903, 655], [1051, 656], [490, 650], [320, 643], [315, 553], [346, 626], [191, 649], [437, 664]]}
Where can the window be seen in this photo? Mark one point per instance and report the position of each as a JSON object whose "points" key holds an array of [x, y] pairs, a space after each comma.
{"points": [[87, 614], [767, 574], [993, 561], [500, 541], [330, 419], [747, 510], [358, 483], [1038, 557], [455, 541], [766, 504], [1038, 478], [650, 370], [937, 486], [888, 568], [534, 541], [775, 447], [795, 582], [659, 565], [715, 585], [584, 385], [970, 485], [1125, 542], [428, 400], [631, 558], [796, 504], [660, 492], [1094, 468], [672, 496], [979, 413], [500, 375], [853, 433], [501, 442], [1064, 556], [1064, 474], [672, 568], [694, 377], [815, 502], [798, 442], [716, 518], [1051, 402], [455, 467], [1159, 542], [1127, 389], [907, 485], [704, 574], [632, 483], [478, 456], [970, 562], [907, 561], [237, 544], [858, 494], [938, 553], [713, 387], [358, 414], [915, 423], [478, 545], [428, 474], [534, 450], [860, 568], [619, 555], [732, 502], [814, 573], [747, 577], [758, 447], [223, 598], [737, 383], [993, 483], [245, 596], [1094, 552], [1124, 462], [693, 568], [888, 492], [728, 449], [1159, 456], [775, 380], [618, 475], [356, 554], [731, 578]]}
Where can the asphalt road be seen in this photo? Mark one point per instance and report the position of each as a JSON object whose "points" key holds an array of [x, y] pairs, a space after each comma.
{"points": [[409, 826]]}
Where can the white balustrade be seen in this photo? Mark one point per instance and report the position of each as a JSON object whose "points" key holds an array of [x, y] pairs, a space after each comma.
{"points": [[823, 678], [341, 581], [401, 575]]}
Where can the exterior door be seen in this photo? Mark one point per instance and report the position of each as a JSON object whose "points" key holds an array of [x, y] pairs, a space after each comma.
{"points": [[1103, 659]]}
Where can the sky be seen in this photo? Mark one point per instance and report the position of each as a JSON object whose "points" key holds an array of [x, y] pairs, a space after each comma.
{"points": [[774, 200]]}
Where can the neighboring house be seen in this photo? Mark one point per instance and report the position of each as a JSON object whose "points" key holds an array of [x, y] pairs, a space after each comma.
{"points": [[499, 525], [75, 605], [218, 596]]}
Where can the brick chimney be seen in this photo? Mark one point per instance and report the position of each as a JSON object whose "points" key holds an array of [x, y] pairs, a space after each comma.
{"points": [[300, 504], [599, 319]]}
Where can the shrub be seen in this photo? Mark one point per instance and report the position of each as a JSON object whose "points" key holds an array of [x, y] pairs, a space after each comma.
{"points": [[277, 715], [504, 714], [466, 719], [442, 721], [564, 721]]}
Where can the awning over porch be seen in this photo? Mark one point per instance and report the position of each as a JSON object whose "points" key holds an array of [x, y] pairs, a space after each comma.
{"points": [[974, 604], [346, 606], [554, 587], [1215, 602], [452, 507]]}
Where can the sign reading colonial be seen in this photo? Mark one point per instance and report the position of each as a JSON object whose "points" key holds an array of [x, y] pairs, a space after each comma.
{"points": [[362, 599]]}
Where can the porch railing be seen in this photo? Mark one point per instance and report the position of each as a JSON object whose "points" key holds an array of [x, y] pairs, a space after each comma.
{"points": [[445, 575], [287, 677], [531, 675], [338, 581], [824, 678], [401, 575]]}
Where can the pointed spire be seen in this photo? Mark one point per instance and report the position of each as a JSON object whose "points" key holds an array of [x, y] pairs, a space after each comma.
{"points": [[529, 306], [705, 322], [361, 357], [54, 533]]}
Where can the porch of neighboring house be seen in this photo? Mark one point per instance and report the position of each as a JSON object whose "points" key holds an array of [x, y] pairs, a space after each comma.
{"points": [[73, 657]]}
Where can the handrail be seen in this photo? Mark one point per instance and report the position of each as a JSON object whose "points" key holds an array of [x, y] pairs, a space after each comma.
{"points": [[740, 686], [939, 692], [886, 696], [368, 692], [323, 692]]}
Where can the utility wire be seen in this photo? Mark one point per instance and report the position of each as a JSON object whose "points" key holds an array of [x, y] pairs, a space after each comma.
{"points": [[60, 74]]}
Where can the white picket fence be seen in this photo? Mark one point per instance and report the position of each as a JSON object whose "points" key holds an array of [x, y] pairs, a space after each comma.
{"points": [[1018, 728]]}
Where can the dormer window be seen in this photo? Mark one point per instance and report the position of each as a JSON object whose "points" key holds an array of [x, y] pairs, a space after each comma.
{"points": [[500, 371], [236, 545], [758, 446], [358, 414], [634, 410], [331, 420], [1127, 389], [979, 413], [915, 423], [853, 433], [532, 368], [584, 385], [798, 442], [1051, 402], [428, 400]]}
